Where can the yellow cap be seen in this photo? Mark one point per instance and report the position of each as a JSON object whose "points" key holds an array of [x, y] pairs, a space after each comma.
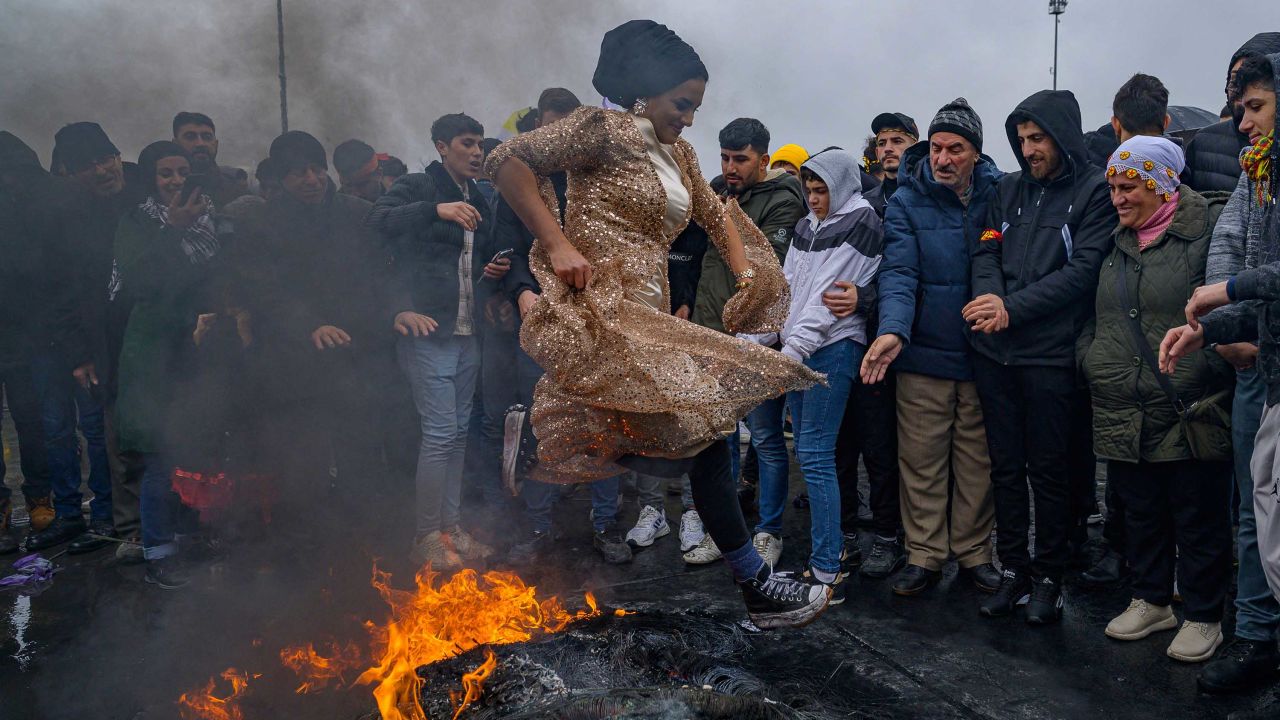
{"points": [[789, 153]]}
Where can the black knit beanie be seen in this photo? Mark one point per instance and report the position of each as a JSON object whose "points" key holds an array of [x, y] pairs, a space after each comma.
{"points": [[640, 59], [296, 149], [957, 117]]}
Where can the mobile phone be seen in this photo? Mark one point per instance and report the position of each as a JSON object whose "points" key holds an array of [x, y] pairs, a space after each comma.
{"points": [[193, 181], [501, 254]]}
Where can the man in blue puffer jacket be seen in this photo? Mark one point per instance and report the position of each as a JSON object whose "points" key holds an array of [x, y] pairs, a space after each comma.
{"points": [[931, 224]]}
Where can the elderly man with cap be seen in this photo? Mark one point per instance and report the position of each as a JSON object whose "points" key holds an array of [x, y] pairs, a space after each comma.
{"points": [[895, 132], [74, 376], [309, 273], [946, 188], [359, 170]]}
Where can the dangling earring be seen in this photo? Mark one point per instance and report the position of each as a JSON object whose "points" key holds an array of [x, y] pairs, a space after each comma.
{"points": [[639, 106]]}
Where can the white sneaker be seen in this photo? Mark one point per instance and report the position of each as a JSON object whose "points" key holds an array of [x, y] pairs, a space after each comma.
{"points": [[1196, 641], [703, 553], [651, 526], [691, 530], [1140, 620], [769, 546]]}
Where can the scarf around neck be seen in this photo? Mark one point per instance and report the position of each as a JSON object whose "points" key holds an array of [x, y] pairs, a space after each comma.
{"points": [[1159, 221], [1256, 163]]}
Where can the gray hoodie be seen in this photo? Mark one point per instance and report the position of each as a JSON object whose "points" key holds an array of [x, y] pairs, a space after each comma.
{"points": [[845, 245]]}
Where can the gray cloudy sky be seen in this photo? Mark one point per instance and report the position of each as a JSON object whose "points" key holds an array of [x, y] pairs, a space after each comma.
{"points": [[815, 72]]}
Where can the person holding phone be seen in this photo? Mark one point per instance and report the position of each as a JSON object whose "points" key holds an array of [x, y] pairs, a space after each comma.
{"points": [[164, 252]]}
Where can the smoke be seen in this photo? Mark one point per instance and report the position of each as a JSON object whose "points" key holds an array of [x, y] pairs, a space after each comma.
{"points": [[815, 74]]}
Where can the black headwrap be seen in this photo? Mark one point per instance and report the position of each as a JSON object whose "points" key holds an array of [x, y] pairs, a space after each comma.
{"points": [[296, 149], [640, 59], [150, 156]]}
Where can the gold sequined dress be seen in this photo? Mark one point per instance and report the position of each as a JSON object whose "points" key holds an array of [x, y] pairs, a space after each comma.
{"points": [[623, 375]]}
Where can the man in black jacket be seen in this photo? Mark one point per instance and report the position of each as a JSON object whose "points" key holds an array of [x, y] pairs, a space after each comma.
{"points": [[309, 273], [1213, 156], [440, 232], [74, 375], [1034, 274], [36, 218]]}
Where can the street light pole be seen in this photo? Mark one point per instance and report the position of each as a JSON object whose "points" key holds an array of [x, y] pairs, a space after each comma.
{"points": [[1056, 9], [284, 102]]}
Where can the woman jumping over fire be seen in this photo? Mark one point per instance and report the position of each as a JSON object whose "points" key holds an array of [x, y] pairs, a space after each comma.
{"points": [[627, 384]]}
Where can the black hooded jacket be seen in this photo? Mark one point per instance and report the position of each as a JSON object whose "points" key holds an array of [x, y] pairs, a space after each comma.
{"points": [[39, 216], [1055, 234], [1213, 156]]}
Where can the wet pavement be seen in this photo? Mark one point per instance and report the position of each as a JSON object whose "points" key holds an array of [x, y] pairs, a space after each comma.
{"points": [[100, 643]]}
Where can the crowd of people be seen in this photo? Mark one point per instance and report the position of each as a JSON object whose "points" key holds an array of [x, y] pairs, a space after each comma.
{"points": [[576, 305]]}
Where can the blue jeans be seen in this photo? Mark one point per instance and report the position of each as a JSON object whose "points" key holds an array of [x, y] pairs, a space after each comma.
{"points": [[161, 508], [442, 375], [63, 402], [1257, 611], [540, 497], [816, 414], [765, 424]]}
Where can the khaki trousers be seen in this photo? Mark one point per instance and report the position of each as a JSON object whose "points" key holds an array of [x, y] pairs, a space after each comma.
{"points": [[940, 436]]}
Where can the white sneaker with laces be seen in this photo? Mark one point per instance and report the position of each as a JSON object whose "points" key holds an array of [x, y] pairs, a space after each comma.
{"points": [[651, 526], [769, 546], [703, 553], [691, 530], [1196, 641]]}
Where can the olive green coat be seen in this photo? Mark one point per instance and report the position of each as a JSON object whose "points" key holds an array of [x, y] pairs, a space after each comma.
{"points": [[1133, 419]]}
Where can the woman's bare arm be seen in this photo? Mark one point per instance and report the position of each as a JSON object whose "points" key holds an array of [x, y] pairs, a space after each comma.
{"points": [[519, 187]]}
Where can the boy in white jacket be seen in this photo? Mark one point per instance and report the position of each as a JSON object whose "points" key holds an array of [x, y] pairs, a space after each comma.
{"points": [[840, 239]]}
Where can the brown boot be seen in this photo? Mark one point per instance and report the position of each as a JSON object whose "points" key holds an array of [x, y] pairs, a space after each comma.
{"points": [[7, 543], [41, 512]]}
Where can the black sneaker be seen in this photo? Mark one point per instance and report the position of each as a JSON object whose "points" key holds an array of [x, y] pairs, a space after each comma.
{"points": [[611, 546], [779, 600], [885, 559], [168, 573], [99, 535], [1045, 607], [515, 447], [850, 555], [59, 531], [1014, 590], [1241, 665], [837, 587], [531, 550]]}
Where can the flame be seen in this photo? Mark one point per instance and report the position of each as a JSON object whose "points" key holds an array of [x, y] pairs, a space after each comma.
{"points": [[471, 683], [202, 704], [318, 670], [437, 621]]}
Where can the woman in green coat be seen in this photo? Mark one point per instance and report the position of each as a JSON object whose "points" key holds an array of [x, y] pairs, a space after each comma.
{"points": [[1167, 440], [163, 251]]}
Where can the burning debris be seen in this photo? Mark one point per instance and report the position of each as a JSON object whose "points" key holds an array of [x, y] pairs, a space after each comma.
{"points": [[435, 621], [204, 705]]}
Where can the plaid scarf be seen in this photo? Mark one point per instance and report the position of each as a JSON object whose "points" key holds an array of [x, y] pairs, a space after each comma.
{"points": [[1256, 162]]}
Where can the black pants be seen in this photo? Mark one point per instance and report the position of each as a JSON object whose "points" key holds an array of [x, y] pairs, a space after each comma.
{"points": [[1176, 514], [1082, 465], [1113, 528], [1027, 411], [870, 429], [24, 407], [715, 495]]}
